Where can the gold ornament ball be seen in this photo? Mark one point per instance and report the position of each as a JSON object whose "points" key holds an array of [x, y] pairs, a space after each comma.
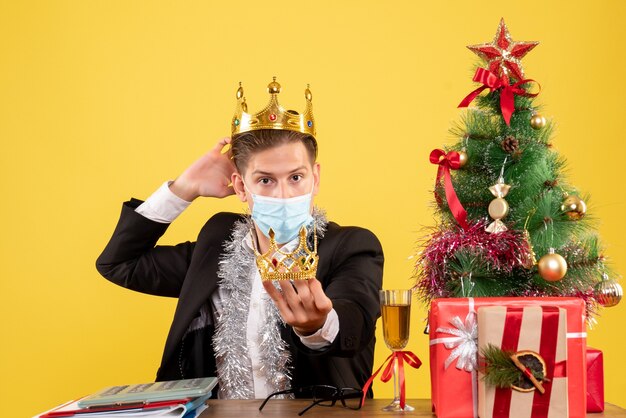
{"points": [[537, 121], [608, 292], [462, 158], [574, 207], [552, 267]]}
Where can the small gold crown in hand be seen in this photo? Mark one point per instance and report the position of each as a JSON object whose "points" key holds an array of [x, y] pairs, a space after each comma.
{"points": [[300, 264]]}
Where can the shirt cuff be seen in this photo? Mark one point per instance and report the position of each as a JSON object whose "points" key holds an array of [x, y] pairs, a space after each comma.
{"points": [[325, 335], [163, 206]]}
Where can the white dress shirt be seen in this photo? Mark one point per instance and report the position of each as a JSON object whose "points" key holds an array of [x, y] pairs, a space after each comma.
{"points": [[164, 206]]}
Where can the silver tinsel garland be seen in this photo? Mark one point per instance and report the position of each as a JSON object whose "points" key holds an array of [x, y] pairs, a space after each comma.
{"points": [[234, 367]]}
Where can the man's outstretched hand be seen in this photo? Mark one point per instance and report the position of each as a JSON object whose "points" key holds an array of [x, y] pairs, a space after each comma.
{"points": [[209, 176], [303, 304]]}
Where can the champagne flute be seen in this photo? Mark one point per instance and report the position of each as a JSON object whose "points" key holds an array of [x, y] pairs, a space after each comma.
{"points": [[396, 312]]}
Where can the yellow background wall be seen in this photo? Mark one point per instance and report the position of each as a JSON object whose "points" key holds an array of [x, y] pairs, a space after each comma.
{"points": [[104, 100]]}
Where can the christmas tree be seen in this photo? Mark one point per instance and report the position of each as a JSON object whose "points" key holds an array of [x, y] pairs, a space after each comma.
{"points": [[510, 224]]}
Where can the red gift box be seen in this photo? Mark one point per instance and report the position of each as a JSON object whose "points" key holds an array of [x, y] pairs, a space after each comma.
{"points": [[454, 383], [540, 329], [595, 380]]}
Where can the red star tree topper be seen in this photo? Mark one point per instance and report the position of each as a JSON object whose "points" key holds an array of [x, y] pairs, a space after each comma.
{"points": [[503, 54]]}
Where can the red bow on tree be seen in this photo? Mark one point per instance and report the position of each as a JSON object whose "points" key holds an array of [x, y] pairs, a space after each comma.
{"points": [[446, 162], [507, 94]]}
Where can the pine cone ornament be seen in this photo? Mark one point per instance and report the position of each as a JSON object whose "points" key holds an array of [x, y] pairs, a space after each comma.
{"points": [[510, 144]]}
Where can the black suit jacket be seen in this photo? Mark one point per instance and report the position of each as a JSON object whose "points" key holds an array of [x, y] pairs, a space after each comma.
{"points": [[350, 271]]}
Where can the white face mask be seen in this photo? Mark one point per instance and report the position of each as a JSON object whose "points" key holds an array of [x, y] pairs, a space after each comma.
{"points": [[284, 216]]}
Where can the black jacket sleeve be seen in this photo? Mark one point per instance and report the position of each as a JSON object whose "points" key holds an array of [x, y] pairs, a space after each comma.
{"points": [[352, 281], [131, 258]]}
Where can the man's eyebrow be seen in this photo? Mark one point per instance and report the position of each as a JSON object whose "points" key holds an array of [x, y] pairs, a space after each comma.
{"points": [[267, 173], [301, 168], [263, 173]]}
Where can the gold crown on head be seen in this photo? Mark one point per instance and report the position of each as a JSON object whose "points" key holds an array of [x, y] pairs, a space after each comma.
{"points": [[300, 264], [273, 116]]}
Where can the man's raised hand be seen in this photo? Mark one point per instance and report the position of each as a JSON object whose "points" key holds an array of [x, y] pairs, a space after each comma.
{"points": [[209, 176]]}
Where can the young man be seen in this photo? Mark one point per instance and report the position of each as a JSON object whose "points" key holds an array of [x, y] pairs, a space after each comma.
{"points": [[232, 321]]}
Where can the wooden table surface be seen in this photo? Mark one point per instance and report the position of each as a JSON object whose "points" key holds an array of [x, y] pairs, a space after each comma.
{"points": [[372, 408]]}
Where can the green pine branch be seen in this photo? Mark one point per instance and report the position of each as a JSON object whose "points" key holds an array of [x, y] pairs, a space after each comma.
{"points": [[499, 369]]}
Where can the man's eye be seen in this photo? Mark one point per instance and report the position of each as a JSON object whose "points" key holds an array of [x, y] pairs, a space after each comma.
{"points": [[296, 177], [264, 181]]}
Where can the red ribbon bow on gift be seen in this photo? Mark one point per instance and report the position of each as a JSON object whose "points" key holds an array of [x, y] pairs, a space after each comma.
{"points": [[446, 162], [507, 95], [401, 357]]}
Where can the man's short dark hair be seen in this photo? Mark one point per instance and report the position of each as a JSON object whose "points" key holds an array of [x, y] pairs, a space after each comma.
{"points": [[246, 144]]}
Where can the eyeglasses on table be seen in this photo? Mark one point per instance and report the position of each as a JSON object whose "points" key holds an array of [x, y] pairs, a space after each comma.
{"points": [[324, 395]]}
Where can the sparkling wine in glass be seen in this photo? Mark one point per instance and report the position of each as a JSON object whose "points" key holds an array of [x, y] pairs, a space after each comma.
{"points": [[396, 312]]}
